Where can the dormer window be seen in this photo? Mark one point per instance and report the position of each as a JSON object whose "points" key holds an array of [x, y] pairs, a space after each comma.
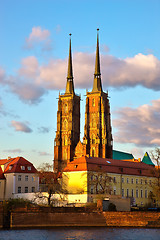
{"points": [[75, 166], [10, 167], [22, 167], [29, 168]]}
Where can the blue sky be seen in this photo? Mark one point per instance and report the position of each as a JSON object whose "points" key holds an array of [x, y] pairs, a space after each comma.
{"points": [[33, 67]]}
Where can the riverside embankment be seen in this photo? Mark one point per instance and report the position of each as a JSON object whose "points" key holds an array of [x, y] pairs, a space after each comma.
{"points": [[33, 218]]}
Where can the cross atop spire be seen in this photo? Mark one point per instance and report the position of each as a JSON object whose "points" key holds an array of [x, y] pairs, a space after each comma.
{"points": [[97, 85], [70, 84]]}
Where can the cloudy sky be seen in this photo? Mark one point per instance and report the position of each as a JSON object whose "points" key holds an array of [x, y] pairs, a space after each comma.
{"points": [[33, 67]]}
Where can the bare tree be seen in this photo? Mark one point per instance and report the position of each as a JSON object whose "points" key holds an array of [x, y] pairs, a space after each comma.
{"points": [[51, 182], [155, 194]]}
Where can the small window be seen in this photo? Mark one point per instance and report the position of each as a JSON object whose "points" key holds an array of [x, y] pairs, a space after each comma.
{"points": [[132, 180], [29, 168], [127, 192], [145, 181], [26, 189], [33, 179], [122, 192], [19, 177], [114, 192], [141, 193], [136, 193], [33, 189], [10, 168], [91, 190], [141, 181], [145, 193], [136, 181], [26, 178], [132, 193], [127, 180], [22, 167], [150, 182], [19, 189], [75, 166], [114, 179], [122, 180]]}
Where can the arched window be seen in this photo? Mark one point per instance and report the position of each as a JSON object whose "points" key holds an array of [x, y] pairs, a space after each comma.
{"points": [[93, 102], [65, 124], [65, 108], [93, 152]]}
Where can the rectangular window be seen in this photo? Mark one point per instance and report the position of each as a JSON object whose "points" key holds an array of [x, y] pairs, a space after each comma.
{"points": [[136, 181], [132, 193], [10, 167], [114, 179], [33, 179], [29, 168], [145, 193], [141, 181], [22, 167], [132, 180], [145, 181], [26, 189], [122, 180], [127, 192], [26, 178], [150, 182], [33, 189], [141, 193], [19, 178], [136, 193], [122, 192], [19, 189], [114, 192], [127, 180]]}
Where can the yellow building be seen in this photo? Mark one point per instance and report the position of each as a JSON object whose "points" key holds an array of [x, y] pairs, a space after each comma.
{"points": [[99, 177]]}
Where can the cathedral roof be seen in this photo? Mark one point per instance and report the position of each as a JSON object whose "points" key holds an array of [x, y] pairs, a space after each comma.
{"points": [[146, 159], [118, 155]]}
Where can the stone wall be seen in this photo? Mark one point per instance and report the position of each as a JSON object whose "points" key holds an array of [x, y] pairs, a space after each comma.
{"points": [[1, 218], [110, 219]]}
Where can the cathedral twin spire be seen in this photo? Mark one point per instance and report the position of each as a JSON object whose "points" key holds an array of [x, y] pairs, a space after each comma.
{"points": [[97, 85]]}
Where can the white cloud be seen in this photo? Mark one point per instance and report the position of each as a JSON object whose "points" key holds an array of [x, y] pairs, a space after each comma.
{"points": [[140, 126], [13, 150], [44, 154], [43, 130], [33, 79], [2, 75], [38, 36], [20, 126]]}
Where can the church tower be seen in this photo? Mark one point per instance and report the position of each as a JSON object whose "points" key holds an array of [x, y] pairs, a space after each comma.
{"points": [[68, 122], [97, 141]]}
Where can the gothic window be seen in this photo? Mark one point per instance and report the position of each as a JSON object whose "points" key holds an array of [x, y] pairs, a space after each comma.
{"points": [[93, 102], [65, 124], [65, 108], [65, 140]]}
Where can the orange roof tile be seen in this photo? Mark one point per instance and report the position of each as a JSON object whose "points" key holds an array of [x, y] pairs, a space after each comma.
{"points": [[110, 166]]}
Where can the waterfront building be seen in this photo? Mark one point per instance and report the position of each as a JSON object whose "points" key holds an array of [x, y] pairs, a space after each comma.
{"points": [[124, 178], [17, 176]]}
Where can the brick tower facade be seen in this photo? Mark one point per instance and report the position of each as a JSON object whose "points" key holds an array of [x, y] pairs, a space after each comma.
{"points": [[68, 122], [97, 141]]}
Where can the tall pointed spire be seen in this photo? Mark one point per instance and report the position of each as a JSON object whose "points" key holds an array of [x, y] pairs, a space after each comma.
{"points": [[70, 84], [97, 85]]}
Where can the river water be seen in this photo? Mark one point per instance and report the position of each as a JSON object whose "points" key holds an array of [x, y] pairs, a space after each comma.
{"points": [[97, 233]]}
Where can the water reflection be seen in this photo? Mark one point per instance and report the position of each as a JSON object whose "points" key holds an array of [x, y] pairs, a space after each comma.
{"points": [[97, 233]]}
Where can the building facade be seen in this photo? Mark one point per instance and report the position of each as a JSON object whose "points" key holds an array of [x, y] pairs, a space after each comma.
{"points": [[97, 177], [19, 176], [97, 140]]}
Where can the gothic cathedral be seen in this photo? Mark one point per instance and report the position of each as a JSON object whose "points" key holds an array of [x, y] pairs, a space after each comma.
{"points": [[97, 140]]}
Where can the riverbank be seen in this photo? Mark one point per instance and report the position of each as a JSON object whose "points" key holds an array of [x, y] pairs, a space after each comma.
{"points": [[110, 219], [78, 217]]}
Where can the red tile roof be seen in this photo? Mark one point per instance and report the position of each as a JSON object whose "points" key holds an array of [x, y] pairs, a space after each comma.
{"points": [[15, 164], [110, 166]]}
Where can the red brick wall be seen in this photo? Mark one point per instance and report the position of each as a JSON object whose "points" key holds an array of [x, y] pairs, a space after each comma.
{"points": [[110, 219]]}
